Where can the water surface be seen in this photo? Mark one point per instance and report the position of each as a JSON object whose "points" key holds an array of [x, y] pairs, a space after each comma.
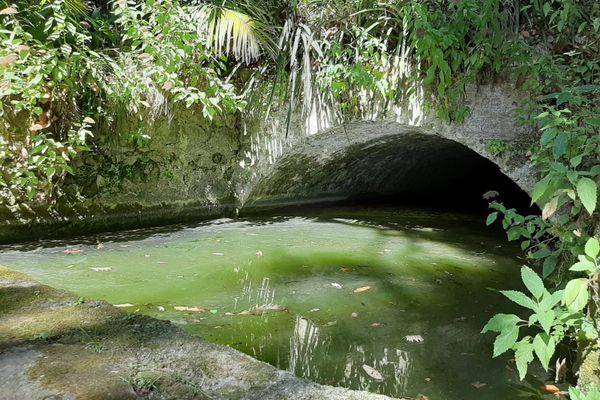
{"points": [[284, 290]]}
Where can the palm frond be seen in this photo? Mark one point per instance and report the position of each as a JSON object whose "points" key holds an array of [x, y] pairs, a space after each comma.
{"points": [[229, 32]]}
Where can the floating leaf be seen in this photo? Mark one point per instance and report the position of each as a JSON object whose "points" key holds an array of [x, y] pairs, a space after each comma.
{"points": [[336, 285], [190, 309], [478, 385], [124, 305], [362, 289], [372, 372], [101, 269], [218, 254], [72, 251]]}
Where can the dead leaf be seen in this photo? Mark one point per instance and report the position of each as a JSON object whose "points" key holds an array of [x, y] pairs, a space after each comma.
{"points": [[550, 208], [21, 48], [354, 315], [101, 269], [490, 194], [160, 308], [73, 251], [551, 389], [362, 289], [191, 309], [259, 253], [36, 127], [478, 385], [336, 285], [372, 372], [9, 59], [218, 254], [124, 305], [8, 11], [375, 324], [89, 120], [168, 85], [145, 55]]}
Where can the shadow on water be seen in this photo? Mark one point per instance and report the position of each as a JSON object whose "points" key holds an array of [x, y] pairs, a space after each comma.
{"points": [[428, 277]]}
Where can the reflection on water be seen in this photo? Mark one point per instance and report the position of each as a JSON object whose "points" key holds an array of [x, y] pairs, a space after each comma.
{"points": [[284, 291]]}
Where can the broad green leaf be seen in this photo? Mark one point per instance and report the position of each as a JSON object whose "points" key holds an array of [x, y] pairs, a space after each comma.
{"points": [[584, 265], [491, 218], [587, 190], [506, 340], [539, 189], [523, 356], [520, 298], [561, 142], [544, 345], [546, 318], [499, 322], [549, 266], [575, 296], [550, 300], [532, 281], [592, 248]]}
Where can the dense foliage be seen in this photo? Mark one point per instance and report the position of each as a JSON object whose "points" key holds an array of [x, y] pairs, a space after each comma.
{"points": [[67, 64]]}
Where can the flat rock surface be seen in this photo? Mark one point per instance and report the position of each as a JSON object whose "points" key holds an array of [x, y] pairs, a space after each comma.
{"points": [[54, 345]]}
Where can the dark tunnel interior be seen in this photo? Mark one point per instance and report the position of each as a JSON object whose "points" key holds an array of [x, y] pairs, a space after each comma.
{"points": [[409, 169]]}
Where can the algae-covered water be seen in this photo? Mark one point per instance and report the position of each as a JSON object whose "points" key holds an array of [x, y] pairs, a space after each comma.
{"points": [[385, 300]]}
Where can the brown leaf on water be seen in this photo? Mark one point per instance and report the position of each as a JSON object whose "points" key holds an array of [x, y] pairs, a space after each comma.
{"points": [[73, 251], [551, 389], [190, 309], [372, 372], [7, 60], [362, 289]]}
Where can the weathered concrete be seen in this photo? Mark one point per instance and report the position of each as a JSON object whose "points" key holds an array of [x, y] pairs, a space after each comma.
{"points": [[191, 169], [53, 346]]}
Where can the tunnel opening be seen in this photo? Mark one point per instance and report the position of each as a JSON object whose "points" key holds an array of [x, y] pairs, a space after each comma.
{"points": [[408, 169]]}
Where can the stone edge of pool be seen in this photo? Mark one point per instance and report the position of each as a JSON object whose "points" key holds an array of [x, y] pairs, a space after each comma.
{"points": [[56, 345]]}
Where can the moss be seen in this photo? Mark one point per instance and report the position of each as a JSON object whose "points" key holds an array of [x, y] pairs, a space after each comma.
{"points": [[589, 372]]}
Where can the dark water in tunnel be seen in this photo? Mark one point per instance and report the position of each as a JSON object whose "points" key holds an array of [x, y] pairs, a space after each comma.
{"points": [[339, 296]]}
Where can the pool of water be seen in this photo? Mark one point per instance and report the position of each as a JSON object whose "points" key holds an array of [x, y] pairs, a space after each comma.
{"points": [[385, 300]]}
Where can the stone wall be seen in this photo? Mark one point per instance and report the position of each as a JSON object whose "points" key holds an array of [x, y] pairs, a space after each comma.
{"points": [[191, 168]]}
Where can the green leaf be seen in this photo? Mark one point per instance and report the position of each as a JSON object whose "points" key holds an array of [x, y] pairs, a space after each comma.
{"points": [[584, 265], [561, 143], [505, 340], [499, 322], [544, 345], [550, 300], [523, 356], [539, 189], [520, 298], [532, 281], [587, 190], [546, 318], [491, 218], [592, 248], [549, 266], [575, 296]]}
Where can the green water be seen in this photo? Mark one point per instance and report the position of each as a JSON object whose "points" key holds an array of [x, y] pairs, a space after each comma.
{"points": [[430, 276]]}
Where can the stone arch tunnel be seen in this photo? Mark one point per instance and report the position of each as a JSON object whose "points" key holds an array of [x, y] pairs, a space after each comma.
{"points": [[387, 162]]}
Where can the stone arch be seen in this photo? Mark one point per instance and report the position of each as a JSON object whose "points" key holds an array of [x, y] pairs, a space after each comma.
{"points": [[387, 159]]}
